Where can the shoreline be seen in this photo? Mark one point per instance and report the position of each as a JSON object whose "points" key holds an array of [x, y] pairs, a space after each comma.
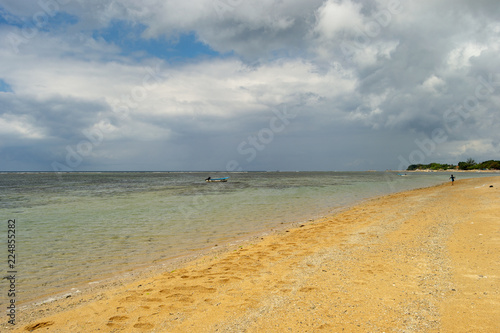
{"points": [[88, 289], [276, 265], [133, 273], [107, 255]]}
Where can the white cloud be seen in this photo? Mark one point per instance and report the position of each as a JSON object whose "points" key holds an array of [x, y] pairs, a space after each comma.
{"points": [[335, 17], [19, 126], [433, 84], [461, 56], [473, 148]]}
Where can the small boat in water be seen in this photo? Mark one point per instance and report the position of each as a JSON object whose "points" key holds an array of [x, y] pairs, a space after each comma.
{"points": [[209, 179]]}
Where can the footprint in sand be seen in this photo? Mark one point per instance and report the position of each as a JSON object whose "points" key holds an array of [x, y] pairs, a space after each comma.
{"points": [[153, 299], [181, 298], [133, 296], [38, 326], [116, 320], [197, 288], [192, 277], [146, 326]]}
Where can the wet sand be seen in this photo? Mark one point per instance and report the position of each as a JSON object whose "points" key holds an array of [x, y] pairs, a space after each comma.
{"points": [[420, 261]]}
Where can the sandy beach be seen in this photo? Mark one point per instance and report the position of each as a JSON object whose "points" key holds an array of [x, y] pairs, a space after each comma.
{"points": [[426, 260]]}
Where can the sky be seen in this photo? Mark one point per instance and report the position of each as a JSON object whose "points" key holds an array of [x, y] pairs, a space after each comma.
{"points": [[237, 85]]}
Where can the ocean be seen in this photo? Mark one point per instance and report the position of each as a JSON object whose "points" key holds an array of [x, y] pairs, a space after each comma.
{"points": [[80, 228]]}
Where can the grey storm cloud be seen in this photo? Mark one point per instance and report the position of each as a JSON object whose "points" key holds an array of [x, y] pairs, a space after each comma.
{"points": [[56, 117], [370, 82]]}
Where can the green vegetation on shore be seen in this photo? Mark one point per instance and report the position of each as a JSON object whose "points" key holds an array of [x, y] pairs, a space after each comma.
{"points": [[470, 164]]}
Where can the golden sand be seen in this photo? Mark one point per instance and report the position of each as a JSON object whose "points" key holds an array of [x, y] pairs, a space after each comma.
{"points": [[420, 261]]}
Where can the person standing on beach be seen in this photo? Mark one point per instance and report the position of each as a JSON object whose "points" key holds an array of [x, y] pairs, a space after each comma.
{"points": [[452, 179]]}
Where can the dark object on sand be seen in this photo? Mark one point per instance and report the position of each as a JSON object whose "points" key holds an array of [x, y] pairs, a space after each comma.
{"points": [[491, 185]]}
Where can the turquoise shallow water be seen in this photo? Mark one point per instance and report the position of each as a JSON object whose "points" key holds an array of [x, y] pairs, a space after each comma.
{"points": [[85, 226]]}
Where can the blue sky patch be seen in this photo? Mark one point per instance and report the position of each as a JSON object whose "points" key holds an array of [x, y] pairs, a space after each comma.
{"points": [[7, 18], [63, 19], [128, 37], [4, 86], [40, 20]]}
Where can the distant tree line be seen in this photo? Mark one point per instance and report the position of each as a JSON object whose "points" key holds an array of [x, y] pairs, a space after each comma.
{"points": [[470, 164]]}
